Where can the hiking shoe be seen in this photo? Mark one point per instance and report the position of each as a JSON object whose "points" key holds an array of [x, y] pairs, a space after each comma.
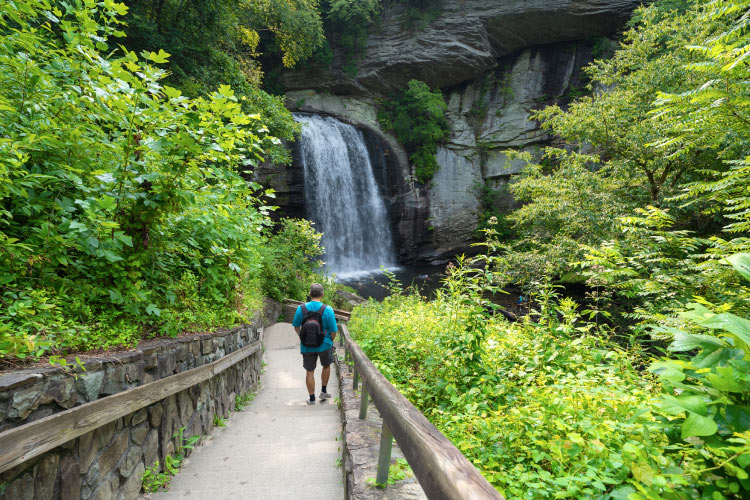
{"points": [[324, 395], [310, 402]]}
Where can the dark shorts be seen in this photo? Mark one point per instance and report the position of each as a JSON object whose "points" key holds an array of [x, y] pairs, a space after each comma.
{"points": [[310, 359]]}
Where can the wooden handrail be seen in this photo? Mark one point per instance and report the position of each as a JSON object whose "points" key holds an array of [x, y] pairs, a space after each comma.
{"points": [[340, 314], [30, 440], [441, 469]]}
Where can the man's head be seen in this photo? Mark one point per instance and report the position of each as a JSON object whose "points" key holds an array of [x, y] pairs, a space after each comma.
{"points": [[316, 291]]}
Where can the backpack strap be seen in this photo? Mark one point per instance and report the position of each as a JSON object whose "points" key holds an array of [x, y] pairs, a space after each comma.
{"points": [[304, 311], [320, 312]]}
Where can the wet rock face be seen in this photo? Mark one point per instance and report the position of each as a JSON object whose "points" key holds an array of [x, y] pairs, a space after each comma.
{"points": [[487, 115], [496, 61], [462, 43]]}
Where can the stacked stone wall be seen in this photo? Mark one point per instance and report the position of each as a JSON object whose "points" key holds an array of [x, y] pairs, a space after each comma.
{"points": [[109, 462]]}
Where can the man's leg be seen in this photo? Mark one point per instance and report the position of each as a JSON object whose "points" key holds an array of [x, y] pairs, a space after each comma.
{"points": [[310, 381], [309, 360], [326, 358]]}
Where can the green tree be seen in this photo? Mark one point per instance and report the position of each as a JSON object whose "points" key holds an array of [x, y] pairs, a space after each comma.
{"points": [[123, 209], [215, 42], [713, 112], [417, 117], [630, 162]]}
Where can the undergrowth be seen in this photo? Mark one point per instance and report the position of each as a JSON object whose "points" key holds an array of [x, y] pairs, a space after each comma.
{"points": [[550, 407]]}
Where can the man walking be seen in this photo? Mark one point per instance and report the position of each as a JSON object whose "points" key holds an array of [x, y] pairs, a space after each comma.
{"points": [[316, 311]]}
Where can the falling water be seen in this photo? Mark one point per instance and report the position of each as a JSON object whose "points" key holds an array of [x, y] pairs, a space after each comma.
{"points": [[342, 198]]}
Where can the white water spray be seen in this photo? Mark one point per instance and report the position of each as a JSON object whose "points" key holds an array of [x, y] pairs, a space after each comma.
{"points": [[342, 197]]}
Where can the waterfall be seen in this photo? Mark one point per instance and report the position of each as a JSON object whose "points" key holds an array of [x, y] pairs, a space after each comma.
{"points": [[342, 197]]}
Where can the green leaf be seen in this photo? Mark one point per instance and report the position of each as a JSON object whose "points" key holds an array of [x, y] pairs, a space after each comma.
{"points": [[694, 404], [111, 256], [741, 263], [684, 341], [737, 417], [642, 472], [724, 380], [668, 371], [697, 313], [733, 324], [107, 202], [153, 310], [124, 238], [622, 493], [159, 58], [744, 460], [698, 425], [171, 92]]}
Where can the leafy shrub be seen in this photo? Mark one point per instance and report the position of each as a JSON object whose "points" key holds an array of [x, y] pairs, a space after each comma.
{"points": [[417, 117], [541, 409], [291, 256], [552, 409], [122, 206], [659, 269], [705, 408]]}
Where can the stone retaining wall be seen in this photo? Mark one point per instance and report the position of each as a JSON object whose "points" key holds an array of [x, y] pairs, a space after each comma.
{"points": [[108, 463]]}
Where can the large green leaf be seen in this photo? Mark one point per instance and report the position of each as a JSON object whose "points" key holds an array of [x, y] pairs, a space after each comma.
{"points": [[676, 405], [721, 356], [740, 327], [684, 341], [724, 380], [738, 417], [698, 425], [741, 263], [671, 374], [697, 313]]}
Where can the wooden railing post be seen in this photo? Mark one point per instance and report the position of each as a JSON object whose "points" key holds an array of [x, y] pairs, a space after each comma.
{"points": [[355, 382], [363, 402], [384, 456]]}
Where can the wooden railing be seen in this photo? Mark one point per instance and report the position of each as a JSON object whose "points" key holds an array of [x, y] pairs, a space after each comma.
{"points": [[441, 469], [31, 440], [340, 315]]}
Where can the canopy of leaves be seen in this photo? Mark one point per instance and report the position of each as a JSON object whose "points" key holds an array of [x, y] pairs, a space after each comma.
{"points": [[123, 209], [665, 126], [214, 42]]}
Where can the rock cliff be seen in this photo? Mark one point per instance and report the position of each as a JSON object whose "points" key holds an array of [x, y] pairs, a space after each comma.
{"points": [[462, 43], [496, 62]]}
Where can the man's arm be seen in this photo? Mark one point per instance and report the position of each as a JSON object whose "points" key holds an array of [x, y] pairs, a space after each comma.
{"points": [[297, 320], [332, 320]]}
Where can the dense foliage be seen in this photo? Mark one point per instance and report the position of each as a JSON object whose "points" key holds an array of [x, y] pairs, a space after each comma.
{"points": [[644, 392], [665, 126], [123, 209], [538, 414], [417, 118], [552, 408], [215, 42]]}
